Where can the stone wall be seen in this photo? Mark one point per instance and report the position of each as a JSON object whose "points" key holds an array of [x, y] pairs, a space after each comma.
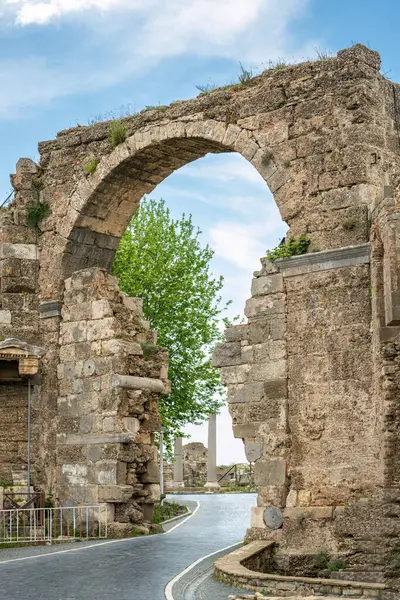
{"points": [[94, 404], [13, 431], [194, 458], [313, 377], [110, 375], [19, 317], [302, 396], [249, 567]]}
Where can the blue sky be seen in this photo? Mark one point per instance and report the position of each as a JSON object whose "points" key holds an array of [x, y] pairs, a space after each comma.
{"points": [[63, 62]]}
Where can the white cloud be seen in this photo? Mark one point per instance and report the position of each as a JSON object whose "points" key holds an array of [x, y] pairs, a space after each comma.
{"points": [[121, 38], [236, 243], [225, 171], [40, 82], [28, 12], [184, 24], [243, 244]]}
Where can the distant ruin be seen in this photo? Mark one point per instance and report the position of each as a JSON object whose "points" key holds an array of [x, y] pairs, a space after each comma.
{"points": [[313, 377]]}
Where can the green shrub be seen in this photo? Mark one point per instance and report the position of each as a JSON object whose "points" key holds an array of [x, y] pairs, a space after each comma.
{"points": [[125, 110], [337, 564], [293, 247], [149, 107], [244, 75], [206, 88], [321, 560], [279, 63], [322, 53], [36, 211], [116, 133], [91, 165], [168, 510], [49, 502]]}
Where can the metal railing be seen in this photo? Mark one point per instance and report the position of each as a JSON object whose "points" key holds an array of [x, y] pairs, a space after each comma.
{"points": [[17, 500], [48, 525], [7, 200], [240, 476]]}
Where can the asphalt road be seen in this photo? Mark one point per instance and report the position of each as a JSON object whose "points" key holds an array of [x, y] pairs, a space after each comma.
{"points": [[135, 569]]}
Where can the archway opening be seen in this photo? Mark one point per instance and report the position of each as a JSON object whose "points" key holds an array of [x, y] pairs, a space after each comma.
{"points": [[232, 205]]}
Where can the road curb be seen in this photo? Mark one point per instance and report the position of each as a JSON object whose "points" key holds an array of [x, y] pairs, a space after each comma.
{"points": [[168, 592]]}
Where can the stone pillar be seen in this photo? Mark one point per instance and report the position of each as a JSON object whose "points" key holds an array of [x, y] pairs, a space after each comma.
{"points": [[178, 463], [212, 482]]}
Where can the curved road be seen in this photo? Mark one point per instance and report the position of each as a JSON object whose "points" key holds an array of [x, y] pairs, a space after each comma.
{"points": [[134, 569]]}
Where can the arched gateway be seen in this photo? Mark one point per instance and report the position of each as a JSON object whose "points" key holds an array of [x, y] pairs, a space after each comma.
{"points": [[312, 377]]}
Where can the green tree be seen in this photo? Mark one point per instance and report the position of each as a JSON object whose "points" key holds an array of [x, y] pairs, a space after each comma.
{"points": [[162, 261]]}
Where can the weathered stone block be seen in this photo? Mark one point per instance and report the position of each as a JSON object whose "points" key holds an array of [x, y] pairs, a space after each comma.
{"points": [[101, 309], [110, 472], [152, 493], [265, 305], [115, 493], [253, 450], [276, 388], [101, 329], [123, 347], [272, 284], [131, 424], [5, 317], [270, 472], [21, 251], [236, 333], [292, 498], [109, 424], [249, 392], [234, 374], [73, 332], [152, 474], [77, 312], [304, 497], [256, 516], [310, 512], [272, 496], [245, 431], [272, 370], [226, 355]]}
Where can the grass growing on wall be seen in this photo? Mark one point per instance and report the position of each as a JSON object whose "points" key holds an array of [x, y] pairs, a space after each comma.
{"points": [[36, 211], [292, 247], [116, 133]]}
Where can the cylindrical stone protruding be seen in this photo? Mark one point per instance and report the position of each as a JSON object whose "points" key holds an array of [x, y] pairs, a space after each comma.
{"points": [[178, 463], [212, 482], [138, 383]]}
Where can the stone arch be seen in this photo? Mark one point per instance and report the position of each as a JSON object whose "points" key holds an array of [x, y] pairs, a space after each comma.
{"points": [[101, 205], [313, 386]]}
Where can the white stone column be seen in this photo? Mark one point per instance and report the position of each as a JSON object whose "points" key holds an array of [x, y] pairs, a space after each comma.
{"points": [[212, 482], [178, 463]]}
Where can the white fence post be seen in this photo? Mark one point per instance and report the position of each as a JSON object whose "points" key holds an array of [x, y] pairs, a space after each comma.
{"points": [[39, 525]]}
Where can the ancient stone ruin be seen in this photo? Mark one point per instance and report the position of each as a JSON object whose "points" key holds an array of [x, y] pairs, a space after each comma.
{"points": [[312, 377], [194, 464]]}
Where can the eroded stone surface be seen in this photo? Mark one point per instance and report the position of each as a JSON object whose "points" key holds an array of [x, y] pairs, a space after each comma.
{"points": [[313, 377]]}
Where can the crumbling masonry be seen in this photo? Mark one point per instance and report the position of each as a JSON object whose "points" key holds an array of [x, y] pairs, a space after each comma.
{"points": [[313, 378]]}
